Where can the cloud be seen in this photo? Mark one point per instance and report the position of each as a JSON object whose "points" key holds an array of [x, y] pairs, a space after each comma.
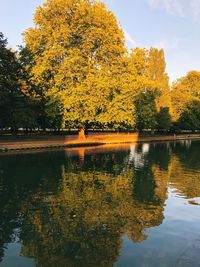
{"points": [[167, 44], [173, 7], [180, 8], [195, 5], [129, 39]]}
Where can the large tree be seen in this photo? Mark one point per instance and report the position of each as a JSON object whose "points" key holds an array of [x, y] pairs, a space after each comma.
{"points": [[75, 46]]}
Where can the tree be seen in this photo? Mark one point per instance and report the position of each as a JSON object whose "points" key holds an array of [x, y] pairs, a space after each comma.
{"points": [[54, 113], [190, 118], [75, 45], [48, 112], [140, 73], [10, 92], [150, 65], [150, 83], [157, 72], [184, 91], [146, 110], [164, 121]]}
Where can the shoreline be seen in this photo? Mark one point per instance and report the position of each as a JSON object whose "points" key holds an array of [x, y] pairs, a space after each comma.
{"points": [[90, 140]]}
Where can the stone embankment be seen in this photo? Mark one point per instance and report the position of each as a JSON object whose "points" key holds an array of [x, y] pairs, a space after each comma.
{"points": [[89, 140]]}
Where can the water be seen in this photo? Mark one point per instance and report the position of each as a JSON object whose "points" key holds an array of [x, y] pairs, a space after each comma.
{"points": [[121, 206]]}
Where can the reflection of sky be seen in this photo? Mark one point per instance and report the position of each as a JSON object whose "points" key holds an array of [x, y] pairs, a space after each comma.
{"points": [[138, 156], [171, 242], [186, 143], [12, 255], [145, 148]]}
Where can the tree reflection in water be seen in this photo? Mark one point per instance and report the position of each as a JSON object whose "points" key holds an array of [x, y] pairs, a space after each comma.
{"points": [[72, 208]]}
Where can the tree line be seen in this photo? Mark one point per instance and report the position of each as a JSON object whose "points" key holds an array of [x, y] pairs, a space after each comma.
{"points": [[75, 70]]}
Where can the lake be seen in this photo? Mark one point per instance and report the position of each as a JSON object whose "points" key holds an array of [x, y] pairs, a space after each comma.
{"points": [[121, 205]]}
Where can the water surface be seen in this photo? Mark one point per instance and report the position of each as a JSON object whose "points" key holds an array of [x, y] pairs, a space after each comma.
{"points": [[122, 206]]}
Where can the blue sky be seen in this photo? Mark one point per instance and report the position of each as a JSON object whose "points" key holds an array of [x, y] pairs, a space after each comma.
{"points": [[171, 24]]}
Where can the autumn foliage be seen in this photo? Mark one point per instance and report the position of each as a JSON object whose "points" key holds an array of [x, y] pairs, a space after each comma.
{"points": [[75, 70]]}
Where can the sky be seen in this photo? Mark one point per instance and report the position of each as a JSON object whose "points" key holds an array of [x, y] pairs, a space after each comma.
{"points": [[170, 24]]}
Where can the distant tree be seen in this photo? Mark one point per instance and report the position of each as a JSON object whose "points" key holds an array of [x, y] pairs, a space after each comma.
{"points": [[190, 118], [150, 64], [151, 85], [164, 121], [142, 73], [146, 110], [10, 91], [54, 112], [24, 114], [184, 91], [157, 72]]}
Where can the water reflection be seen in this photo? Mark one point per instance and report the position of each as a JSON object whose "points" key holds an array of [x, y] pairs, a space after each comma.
{"points": [[73, 207]]}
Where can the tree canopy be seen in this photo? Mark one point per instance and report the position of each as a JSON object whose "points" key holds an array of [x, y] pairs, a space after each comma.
{"points": [[80, 59], [75, 70], [185, 101], [75, 46], [185, 90]]}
